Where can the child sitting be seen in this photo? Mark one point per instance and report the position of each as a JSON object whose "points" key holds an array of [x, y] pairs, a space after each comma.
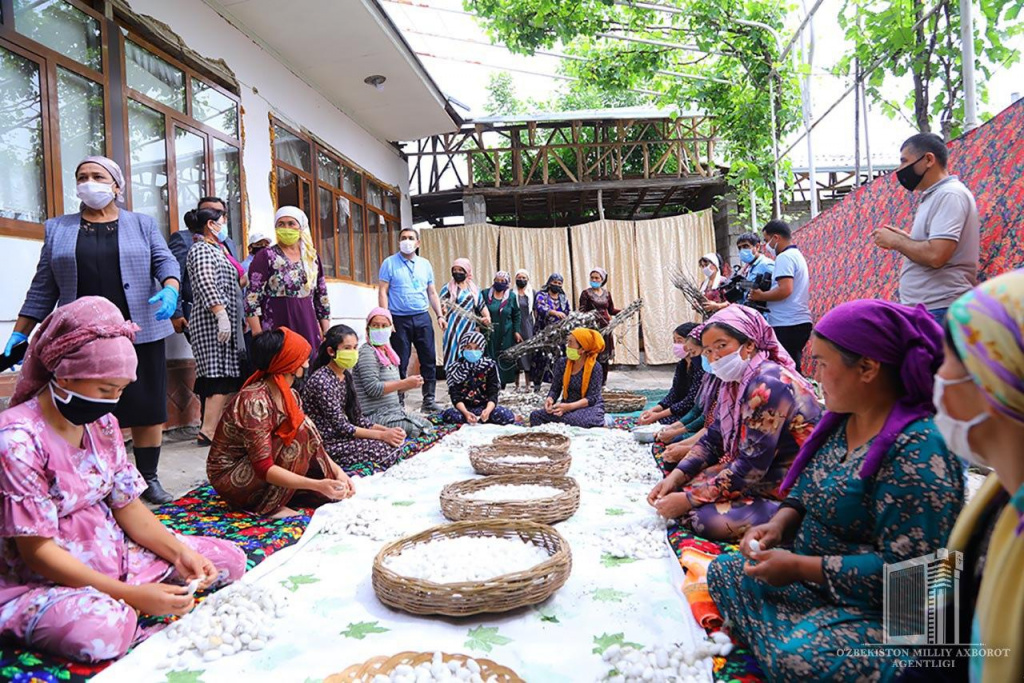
{"points": [[473, 386]]}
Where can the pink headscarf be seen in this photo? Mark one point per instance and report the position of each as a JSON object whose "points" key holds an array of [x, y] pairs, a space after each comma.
{"points": [[86, 339], [468, 267], [385, 354], [767, 347]]}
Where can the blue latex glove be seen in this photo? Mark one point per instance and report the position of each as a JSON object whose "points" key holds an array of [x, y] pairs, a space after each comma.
{"points": [[168, 300], [16, 338]]}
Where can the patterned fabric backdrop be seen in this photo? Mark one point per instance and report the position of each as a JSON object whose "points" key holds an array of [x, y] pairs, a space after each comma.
{"points": [[843, 260]]}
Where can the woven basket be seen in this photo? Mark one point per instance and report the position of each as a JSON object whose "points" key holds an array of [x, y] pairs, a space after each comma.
{"points": [[622, 401], [500, 594], [457, 506], [488, 460], [532, 439], [364, 673]]}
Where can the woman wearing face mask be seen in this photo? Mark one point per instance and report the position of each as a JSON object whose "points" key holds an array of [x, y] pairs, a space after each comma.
{"points": [[107, 251], [685, 383], [714, 279], [82, 556], [286, 282], [329, 399], [266, 452], [729, 481], [377, 382], [215, 323], [473, 386], [503, 307], [874, 484], [689, 429], [462, 292], [575, 396], [524, 297], [550, 307], [597, 298]]}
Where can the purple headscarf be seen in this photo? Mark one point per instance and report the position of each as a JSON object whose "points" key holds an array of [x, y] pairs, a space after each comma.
{"points": [[893, 334]]}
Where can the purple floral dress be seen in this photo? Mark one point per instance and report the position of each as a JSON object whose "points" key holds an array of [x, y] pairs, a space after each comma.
{"points": [[51, 489], [280, 295]]}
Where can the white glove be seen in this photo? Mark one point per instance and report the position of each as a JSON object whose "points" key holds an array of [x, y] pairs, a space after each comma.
{"points": [[223, 326]]}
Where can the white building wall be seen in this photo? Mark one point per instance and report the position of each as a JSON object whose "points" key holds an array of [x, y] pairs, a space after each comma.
{"points": [[266, 87]]}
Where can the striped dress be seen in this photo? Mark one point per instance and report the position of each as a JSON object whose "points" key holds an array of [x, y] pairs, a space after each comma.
{"points": [[469, 300], [370, 376]]}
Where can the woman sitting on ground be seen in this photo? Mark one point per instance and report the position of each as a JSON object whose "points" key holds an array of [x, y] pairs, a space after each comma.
{"points": [[875, 485], [473, 386], [730, 479], [685, 383], [377, 382], [81, 555], [575, 396], [329, 398], [682, 435], [266, 452]]}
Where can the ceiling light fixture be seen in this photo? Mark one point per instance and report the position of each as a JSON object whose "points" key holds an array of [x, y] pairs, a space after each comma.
{"points": [[377, 81]]}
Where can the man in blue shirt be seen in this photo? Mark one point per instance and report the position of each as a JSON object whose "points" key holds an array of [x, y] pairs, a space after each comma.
{"points": [[406, 288], [789, 311], [753, 265]]}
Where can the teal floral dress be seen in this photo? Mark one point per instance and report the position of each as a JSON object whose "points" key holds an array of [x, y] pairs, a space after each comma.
{"points": [[799, 631]]}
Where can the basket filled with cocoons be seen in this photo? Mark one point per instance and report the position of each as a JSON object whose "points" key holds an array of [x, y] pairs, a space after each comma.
{"points": [[424, 666], [468, 568], [534, 439], [538, 498], [506, 459], [622, 401]]}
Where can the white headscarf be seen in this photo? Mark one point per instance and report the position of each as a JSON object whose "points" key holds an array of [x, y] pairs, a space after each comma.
{"points": [[717, 281], [528, 292], [307, 250]]}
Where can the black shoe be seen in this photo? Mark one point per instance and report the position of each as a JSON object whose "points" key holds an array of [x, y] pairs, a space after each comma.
{"points": [[155, 493], [430, 406]]}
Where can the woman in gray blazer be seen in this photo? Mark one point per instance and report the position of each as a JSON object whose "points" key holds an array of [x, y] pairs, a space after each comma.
{"points": [[107, 251]]}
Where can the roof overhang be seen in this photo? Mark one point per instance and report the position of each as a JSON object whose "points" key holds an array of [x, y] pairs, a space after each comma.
{"points": [[333, 45]]}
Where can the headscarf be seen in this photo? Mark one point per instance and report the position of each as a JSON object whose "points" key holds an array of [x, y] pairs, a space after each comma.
{"points": [[385, 354], [716, 281], [308, 251], [460, 369], [85, 339], [293, 354], [592, 343], [904, 337], [561, 297], [468, 267], [766, 348], [528, 292], [111, 167], [501, 275], [602, 272]]}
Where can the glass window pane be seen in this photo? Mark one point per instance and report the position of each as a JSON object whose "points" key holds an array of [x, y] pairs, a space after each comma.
{"points": [[80, 103], [190, 171], [61, 27], [227, 184], [328, 229], [344, 250], [22, 188], [374, 197], [353, 183], [391, 204], [359, 244], [153, 77], [214, 108], [328, 170], [292, 150], [393, 229], [373, 243], [148, 149], [287, 188]]}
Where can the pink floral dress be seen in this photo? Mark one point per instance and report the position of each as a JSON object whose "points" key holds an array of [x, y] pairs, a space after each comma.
{"points": [[51, 489]]}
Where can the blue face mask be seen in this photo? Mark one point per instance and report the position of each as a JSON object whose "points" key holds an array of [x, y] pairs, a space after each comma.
{"points": [[473, 355], [705, 363], [747, 255], [595, 285], [223, 234]]}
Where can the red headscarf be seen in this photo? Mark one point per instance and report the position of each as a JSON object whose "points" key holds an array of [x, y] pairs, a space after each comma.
{"points": [[293, 354]]}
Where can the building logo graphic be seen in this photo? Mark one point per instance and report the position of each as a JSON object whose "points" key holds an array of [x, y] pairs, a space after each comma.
{"points": [[921, 600]]}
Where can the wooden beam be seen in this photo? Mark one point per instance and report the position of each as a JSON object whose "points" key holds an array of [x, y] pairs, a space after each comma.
{"points": [[639, 201], [627, 184], [668, 195]]}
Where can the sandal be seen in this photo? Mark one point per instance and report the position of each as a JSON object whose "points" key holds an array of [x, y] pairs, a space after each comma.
{"points": [[203, 440]]}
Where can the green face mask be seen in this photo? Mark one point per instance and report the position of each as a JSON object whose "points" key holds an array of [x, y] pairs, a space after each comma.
{"points": [[287, 236], [346, 358], [571, 353]]}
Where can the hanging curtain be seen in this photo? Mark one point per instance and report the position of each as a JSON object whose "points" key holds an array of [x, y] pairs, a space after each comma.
{"points": [[610, 245], [541, 251], [666, 245]]}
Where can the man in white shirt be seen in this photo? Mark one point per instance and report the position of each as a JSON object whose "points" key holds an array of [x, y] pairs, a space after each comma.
{"points": [[941, 251], [789, 311]]}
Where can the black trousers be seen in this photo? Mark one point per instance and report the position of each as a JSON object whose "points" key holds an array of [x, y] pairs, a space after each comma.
{"points": [[794, 338], [416, 330]]}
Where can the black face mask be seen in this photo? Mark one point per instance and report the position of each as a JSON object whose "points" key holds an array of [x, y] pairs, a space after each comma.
{"points": [[908, 177], [81, 410], [458, 277], [500, 286], [521, 284], [556, 289]]}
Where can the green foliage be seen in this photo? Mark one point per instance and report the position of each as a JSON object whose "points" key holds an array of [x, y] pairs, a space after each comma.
{"points": [[485, 638], [361, 629]]}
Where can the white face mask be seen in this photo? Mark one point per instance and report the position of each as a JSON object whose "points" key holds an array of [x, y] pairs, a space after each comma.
{"points": [[955, 432], [708, 271], [95, 195], [770, 249], [730, 368], [407, 246]]}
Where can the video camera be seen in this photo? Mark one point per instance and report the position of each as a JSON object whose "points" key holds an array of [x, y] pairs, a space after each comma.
{"points": [[736, 289]]}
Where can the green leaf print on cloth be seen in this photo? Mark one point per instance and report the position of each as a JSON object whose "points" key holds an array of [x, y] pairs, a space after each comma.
{"points": [[185, 676], [609, 560], [292, 583], [608, 595], [604, 641], [614, 512], [360, 630], [484, 638]]}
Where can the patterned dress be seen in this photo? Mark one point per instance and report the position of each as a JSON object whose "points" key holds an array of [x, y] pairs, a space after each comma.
{"points": [[604, 307], [590, 416], [214, 283], [325, 400], [457, 325], [505, 315], [369, 377], [856, 525], [682, 397], [479, 388], [543, 306], [733, 491], [280, 296], [51, 489]]}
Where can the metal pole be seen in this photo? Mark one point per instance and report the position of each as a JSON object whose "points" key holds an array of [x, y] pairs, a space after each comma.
{"points": [[967, 59], [867, 136], [753, 211], [856, 125], [775, 148], [808, 117]]}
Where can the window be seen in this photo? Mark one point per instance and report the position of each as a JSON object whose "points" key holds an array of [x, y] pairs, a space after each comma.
{"points": [[22, 149]]}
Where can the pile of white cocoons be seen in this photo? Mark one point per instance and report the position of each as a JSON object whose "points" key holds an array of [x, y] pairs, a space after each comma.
{"points": [[642, 540], [665, 664], [522, 459], [514, 492], [357, 517], [458, 560], [237, 618], [435, 670]]}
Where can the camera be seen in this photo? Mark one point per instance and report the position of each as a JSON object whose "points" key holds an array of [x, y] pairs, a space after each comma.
{"points": [[736, 289]]}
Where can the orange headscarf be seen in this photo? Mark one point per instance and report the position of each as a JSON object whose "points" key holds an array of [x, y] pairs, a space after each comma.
{"points": [[592, 344], [294, 352]]}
